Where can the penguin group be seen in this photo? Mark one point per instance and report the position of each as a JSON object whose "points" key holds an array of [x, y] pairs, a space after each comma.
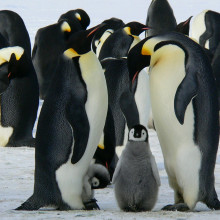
{"points": [[101, 86]]}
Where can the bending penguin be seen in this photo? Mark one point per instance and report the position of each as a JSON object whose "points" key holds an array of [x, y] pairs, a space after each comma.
{"points": [[121, 41], [69, 127], [13, 29], [19, 100], [185, 110]]}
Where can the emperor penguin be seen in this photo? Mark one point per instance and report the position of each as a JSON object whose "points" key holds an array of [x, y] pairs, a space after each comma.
{"points": [[50, 44], [70, 125], [185, 110], [121, 41], [111, 25], [18, 99], [13, 28], [205, 29], [118, 81], [136, 179]]}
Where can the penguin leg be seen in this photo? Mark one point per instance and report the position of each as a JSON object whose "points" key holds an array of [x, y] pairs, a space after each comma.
{"points": [[91, 205], [182, 207], [212, 202], [33, 203]]}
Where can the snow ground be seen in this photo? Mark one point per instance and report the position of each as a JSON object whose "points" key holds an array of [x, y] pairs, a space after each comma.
{"points": [[17, 164]]}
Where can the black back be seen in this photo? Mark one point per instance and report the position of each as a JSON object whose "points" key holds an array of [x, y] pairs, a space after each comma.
{"points": [[117, 45], [212, 32], [49, 45], [13, 29], [160, 18]]}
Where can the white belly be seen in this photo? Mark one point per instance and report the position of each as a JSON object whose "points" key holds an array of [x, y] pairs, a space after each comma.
{"points": [[199, 27], [69, 176], [182, 157], [5, 134]]}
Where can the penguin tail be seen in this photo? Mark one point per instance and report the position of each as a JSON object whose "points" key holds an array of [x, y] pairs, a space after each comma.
{"points": [[31, 204]]}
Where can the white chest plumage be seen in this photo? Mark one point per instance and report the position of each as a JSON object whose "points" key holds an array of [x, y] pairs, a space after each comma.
{"points": [[70, 176], [199, 27], [181, 156]]}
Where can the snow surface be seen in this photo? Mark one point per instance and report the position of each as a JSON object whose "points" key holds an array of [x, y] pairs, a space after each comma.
{"points": [[17, 164]]}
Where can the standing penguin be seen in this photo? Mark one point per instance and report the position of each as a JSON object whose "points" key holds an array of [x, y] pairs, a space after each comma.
{"points": [[136, 177], [206, 29], [185, 109], [111, 25], [121, 41], [12, 27], [70, 126], [50, 43], [19, 101]]}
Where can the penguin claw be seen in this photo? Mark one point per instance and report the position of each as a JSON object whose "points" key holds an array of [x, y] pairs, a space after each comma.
{"points": [[182, 207], [91, 205]]}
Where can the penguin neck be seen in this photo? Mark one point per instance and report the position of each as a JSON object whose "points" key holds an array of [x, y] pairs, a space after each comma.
{"points": [[138, 150]]}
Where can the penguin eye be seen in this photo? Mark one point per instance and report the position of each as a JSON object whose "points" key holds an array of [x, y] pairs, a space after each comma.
{"points": [[95, 182]]}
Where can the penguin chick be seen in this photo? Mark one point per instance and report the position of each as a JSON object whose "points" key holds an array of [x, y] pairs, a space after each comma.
{"points": [[136, 177], [97, 177]]}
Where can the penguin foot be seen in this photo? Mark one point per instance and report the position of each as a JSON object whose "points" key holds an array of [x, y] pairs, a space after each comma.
{"points": [[182, 207], [214, 204], [91, 205], [63, 207]]}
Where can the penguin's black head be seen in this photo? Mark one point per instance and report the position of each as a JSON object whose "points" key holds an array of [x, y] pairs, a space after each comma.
{"points": [[78, 15], [137, 60], [135, 28], [138, 133], [183, 27], [101, 177], [80, 42], [10, 58]]}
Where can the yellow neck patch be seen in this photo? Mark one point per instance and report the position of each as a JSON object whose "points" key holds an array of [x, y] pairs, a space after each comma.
{"points": [[145, 51], [65, 27], [127, 30], [78, 16], [70, 53]]}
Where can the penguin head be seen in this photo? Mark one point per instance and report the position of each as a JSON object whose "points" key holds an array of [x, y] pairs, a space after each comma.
{"points": [[138, 133], [9, 65], [80, 43], [100, 178], [135, 28], [78, 15], [183, 27]]}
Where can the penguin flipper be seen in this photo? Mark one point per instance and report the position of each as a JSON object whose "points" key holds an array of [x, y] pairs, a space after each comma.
{"points": [[129, 108], [155, 170], [185, 92], [77, 117]]}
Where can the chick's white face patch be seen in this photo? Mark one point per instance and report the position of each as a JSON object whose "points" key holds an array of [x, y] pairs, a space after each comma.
{"points": [[139, 137]]}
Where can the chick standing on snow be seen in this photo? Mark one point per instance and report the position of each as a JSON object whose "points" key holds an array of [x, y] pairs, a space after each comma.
{"points": [[136, 177]]}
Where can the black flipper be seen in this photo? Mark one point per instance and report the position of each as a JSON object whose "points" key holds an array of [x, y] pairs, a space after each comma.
{"points": [[33, 203], [184, 94], [129, 109], [91, 205], [77, 117]]}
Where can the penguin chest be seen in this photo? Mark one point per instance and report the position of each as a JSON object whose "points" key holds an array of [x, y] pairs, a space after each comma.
{"points": [[176, 140], [97, 99], [5, 133]]}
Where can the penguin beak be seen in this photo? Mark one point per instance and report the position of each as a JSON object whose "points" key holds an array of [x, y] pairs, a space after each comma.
{"points": [[145, 28], [94, 29]]}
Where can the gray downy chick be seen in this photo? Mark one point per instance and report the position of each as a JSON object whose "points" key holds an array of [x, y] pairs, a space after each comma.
{"points": [[97, 177], [136, 177]]}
